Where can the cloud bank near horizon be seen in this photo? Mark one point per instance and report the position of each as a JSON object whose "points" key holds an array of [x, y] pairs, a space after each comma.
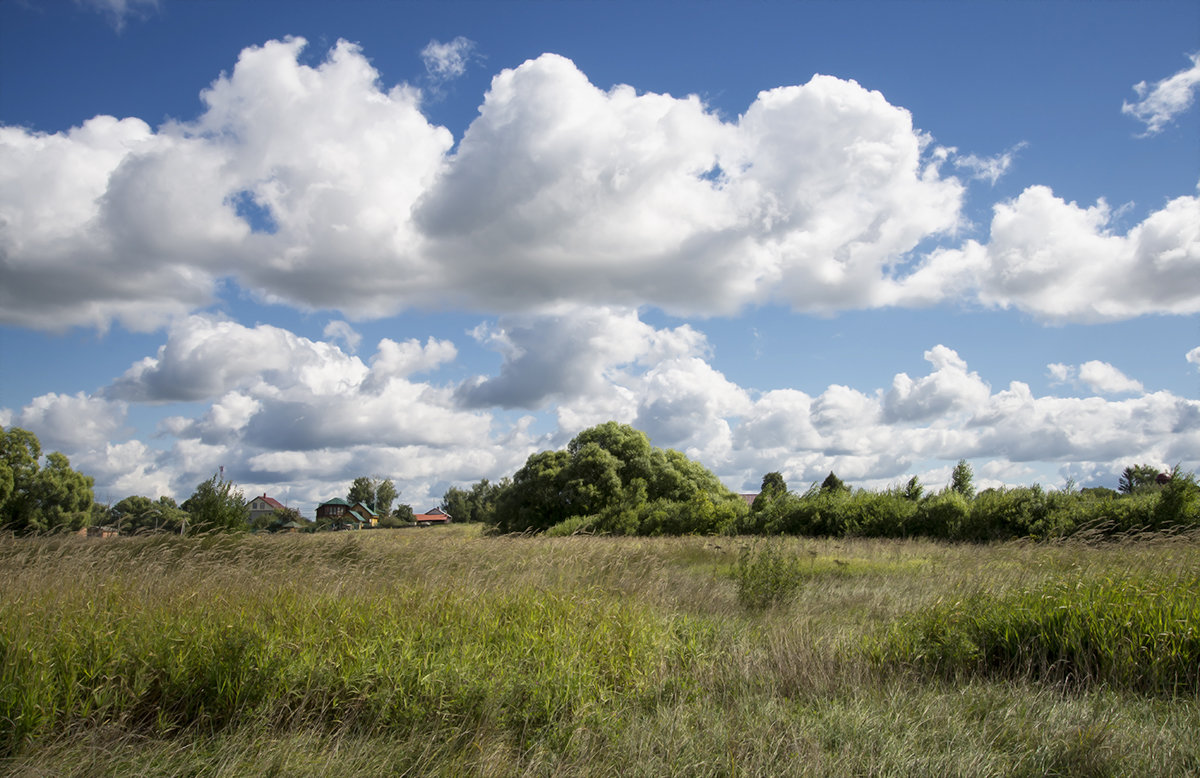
{"points": [[320, 188], [276, 408]]}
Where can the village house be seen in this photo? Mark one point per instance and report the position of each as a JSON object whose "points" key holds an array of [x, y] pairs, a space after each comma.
{"points": [[341, 514], [263, 506], [370, 517], [435, 516]]}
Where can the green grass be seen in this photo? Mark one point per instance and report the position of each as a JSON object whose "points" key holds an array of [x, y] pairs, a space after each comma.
{"points": [[443, 652]]}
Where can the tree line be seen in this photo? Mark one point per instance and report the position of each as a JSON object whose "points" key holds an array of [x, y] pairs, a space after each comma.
{"points": [[610, 480], [44, 494]]}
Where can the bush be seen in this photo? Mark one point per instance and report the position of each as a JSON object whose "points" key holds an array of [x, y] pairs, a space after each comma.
{"points": [[881, 514], [766, 576], [941, 516], [1133, 633]]}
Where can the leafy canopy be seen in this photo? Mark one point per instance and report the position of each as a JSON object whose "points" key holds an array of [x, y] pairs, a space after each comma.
{"points": [[610, 479], [36, 497]]}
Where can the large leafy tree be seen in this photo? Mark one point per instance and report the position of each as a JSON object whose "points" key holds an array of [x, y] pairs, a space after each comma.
{"points": [[376, 493], [36, 497], [217, 505], [611, 479], [361, 490]]}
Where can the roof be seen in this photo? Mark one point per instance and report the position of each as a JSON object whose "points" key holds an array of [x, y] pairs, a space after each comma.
{"points": [[357, 517], [336, 501], [434, 516], [365, 507], [276, 504]]}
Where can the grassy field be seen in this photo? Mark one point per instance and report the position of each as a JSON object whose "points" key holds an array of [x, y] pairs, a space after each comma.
{"points": [[441, 652]]}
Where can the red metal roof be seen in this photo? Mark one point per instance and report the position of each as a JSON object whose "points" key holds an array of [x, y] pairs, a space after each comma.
{"points": [[276, 504]]}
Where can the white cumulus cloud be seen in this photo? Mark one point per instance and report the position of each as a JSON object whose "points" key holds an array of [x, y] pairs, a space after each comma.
{"points": [[1062, 262], [1159, 104]]}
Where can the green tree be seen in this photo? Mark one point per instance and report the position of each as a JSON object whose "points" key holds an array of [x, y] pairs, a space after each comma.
{"points": [[1138, 478], [832, 484], [40, 498], [376, 493], [385, 495], [773, 487], [142, 514], [362, 490], [475, 504], [610, 479], [913, 489], [457, 502], [217, 505], [1179, 501], [962, 479]]}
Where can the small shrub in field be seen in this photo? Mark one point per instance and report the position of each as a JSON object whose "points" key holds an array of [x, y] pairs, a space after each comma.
{"points": [[571, 526], [766, 576]]}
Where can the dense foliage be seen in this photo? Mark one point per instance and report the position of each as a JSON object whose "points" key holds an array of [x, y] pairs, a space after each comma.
{"points": [[142, 514], [993, 514], [37, 495], [376, 493], [610, 479], [217, 505]]}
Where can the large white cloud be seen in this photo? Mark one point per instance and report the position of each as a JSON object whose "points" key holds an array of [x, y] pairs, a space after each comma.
{"points": [[1062, 262], [320, 187]]}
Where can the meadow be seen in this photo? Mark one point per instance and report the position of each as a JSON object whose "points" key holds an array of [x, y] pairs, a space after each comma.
{"points": [[447, 652]]}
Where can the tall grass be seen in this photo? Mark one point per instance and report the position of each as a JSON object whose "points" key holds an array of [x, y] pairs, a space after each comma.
{"points": [[1139, 632], [442, 652]]}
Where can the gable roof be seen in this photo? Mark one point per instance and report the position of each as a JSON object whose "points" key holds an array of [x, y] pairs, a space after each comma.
{"points": [[336, 501], [269, 501]]}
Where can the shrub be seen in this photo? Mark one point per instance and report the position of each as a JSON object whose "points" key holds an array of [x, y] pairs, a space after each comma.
{"points": [[1137, 633], [941, 516], [881, 514], [766, 576]]}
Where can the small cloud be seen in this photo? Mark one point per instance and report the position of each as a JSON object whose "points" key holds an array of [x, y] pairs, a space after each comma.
{"points": [[1158, 105], [1103, 378], [447, 61], [989, 168], [1099, 377], [1059, 373], [340, 330], [118, 11], [1193, 356]]}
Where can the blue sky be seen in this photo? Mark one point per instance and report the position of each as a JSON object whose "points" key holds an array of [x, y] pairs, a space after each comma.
{"points": [[310, 241]]}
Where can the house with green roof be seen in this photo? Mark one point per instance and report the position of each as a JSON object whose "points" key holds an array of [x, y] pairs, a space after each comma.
{"points": [[342, 514]]}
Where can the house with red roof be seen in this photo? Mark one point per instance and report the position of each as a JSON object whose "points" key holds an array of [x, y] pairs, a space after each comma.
{"points": [[263, 506], [435, 516]]}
